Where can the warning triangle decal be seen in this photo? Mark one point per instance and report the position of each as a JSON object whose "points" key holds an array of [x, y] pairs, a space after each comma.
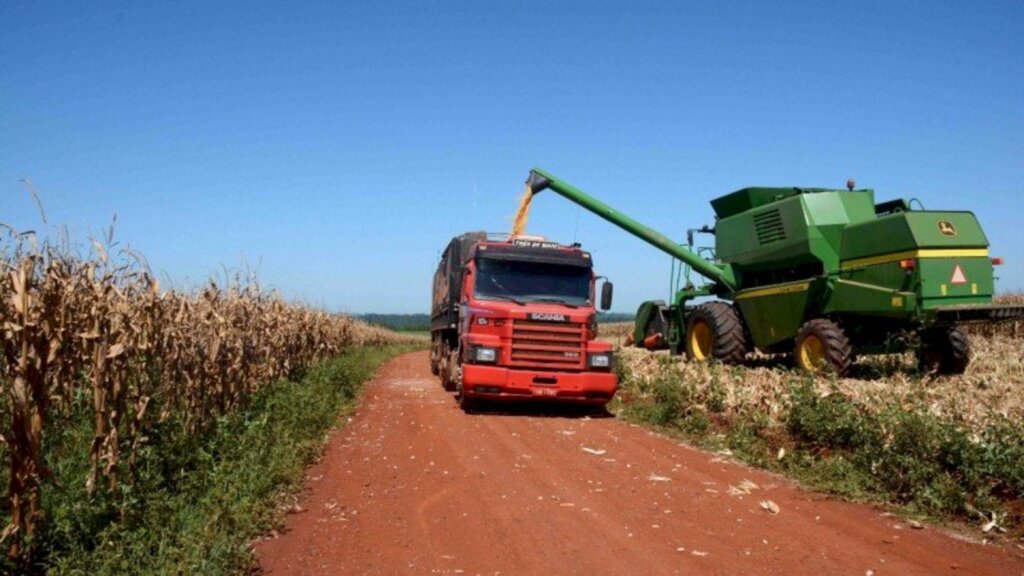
{"points": [[958, 276]]}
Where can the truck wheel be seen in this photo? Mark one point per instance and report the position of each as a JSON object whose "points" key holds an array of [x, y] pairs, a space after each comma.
{"points": [[435, 353], [944, 350], [822, 345], [449, 365], [715, 330], [465, 402]]}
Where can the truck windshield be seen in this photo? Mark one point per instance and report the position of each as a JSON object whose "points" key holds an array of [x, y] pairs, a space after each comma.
{"points": [[532, 282]]}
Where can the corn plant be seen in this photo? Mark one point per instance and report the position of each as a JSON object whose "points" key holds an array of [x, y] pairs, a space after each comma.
{"points": [[100, 325]]}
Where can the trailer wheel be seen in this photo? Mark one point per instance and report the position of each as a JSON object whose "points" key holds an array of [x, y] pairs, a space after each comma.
{"points": [[944, 350], [715, 330], [822, 345]]}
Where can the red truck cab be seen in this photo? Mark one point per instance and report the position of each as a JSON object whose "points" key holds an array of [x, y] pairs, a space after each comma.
{"points": [[515, 319]]}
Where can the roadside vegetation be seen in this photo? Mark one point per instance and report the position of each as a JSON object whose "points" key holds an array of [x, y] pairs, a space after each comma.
{"points": [[199, 500], [133, 413], [944, 448]]}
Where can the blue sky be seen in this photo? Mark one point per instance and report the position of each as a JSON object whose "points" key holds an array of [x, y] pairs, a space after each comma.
{"points": [[340, 145]]}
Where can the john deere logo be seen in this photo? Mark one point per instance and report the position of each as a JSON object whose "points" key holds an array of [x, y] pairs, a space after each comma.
{"points": [[947, 228]]}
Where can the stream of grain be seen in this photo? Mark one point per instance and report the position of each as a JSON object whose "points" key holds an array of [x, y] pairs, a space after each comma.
{"points": [[523, 213]]}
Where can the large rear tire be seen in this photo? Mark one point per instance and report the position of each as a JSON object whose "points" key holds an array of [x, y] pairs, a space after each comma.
{"points": [[822, 346], [715, 331], [944, 351]]}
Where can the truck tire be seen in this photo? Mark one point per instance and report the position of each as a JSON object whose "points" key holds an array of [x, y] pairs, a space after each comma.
{"points": [[715, 331], [821, 345], [435, 366], [944, 351], [435, 353], [448, 366], [467, 404]]}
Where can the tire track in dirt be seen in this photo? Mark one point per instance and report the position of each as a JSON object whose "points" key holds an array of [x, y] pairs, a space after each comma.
{"points": [[414, 485]]}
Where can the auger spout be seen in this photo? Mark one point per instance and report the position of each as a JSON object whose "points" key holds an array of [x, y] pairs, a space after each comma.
{"points": [[540, 180]]}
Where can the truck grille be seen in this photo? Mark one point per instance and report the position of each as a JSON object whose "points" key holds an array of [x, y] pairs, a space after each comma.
{"points": [[548, 345]]}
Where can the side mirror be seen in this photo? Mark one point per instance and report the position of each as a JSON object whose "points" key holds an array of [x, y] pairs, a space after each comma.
{"points": [[606, 295]]}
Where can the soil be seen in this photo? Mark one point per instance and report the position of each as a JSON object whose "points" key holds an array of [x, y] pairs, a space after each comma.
{"points": [[415, 485]]}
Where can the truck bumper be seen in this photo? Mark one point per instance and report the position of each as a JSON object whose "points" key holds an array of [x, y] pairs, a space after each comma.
{"points": [[497, 383]]}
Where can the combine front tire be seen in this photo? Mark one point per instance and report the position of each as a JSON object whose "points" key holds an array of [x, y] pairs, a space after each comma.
{"points": [[715, 330], [944, 350], [822, 345]]}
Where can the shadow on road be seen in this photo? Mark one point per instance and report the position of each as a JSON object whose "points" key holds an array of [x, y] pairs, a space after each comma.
{"points": [[538, 409]]}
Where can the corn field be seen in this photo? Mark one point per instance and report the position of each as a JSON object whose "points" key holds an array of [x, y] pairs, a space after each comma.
{"points": [[99, 327], [992, 389]]}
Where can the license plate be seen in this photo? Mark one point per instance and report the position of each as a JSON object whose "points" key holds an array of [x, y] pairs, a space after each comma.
{"points": [[546, 392]]}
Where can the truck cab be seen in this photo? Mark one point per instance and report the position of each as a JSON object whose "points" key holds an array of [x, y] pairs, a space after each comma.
{"points": [[516, 319]]}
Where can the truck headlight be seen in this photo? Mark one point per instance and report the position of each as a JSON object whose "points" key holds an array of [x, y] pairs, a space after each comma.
{"points": [[482, 354], [603, 360]]}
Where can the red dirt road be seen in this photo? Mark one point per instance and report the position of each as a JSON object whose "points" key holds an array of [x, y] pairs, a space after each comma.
{"points": [[414, 485]]}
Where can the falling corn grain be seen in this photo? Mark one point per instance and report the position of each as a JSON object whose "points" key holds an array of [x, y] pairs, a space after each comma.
{"points": [[523, 212]]}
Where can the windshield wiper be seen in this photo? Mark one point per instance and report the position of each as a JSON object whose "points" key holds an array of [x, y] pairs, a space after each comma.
{"points": [[506, 292], [555, 301]]}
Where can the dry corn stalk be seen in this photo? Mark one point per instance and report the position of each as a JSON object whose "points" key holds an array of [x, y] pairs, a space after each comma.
{"points": [[100, 325]]}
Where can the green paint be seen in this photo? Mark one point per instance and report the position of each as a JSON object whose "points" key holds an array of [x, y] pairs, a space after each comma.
{"points": [[842, 246]]}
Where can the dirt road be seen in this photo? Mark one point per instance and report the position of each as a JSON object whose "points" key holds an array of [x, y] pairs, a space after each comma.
{"points": [[414, 485]]}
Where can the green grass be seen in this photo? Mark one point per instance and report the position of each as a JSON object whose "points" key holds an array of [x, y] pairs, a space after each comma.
{"points": [[198, 500]]}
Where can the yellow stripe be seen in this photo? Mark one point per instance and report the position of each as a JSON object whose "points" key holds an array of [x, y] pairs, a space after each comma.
{"points": [[909, 254], [772, 290]]}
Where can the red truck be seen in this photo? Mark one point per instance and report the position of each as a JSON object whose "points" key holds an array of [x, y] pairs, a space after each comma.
{"points": [[515, 319]]}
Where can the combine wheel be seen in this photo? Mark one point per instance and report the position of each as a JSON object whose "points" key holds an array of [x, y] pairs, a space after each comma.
{"points": [[715, 330], [944, 350], [822, 345]]}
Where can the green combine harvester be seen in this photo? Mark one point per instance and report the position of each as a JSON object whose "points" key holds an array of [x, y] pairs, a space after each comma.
{"points": [[819, 273]]}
